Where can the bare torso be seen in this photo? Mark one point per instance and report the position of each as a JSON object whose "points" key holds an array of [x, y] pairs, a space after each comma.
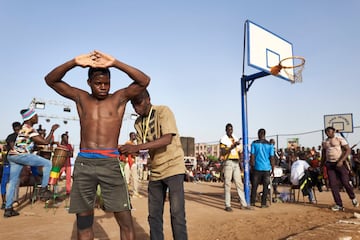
{"points": [[100, 113], [100, 121]]}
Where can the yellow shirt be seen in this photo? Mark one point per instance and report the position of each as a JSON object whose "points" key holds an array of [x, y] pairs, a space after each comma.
{"points": [[225, 143]]}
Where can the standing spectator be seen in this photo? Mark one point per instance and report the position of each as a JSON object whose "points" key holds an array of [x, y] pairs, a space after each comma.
{"points": [[130, 168], [230, 154], [325, 176], [262, 162], [67, 166], [356, 159], [316, 171], [323, 171], [5, 172], [101, 114], [22, 154], [143, 163], [277, 179], [10, 141], [157, 132], [335, 151]]}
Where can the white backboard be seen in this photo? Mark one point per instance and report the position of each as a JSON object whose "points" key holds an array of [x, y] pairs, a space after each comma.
{"points": [[266, 49], [341, 122]]}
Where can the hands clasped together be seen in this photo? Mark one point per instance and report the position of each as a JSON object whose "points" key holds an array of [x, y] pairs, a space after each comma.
{"points": [[95, 59], [54, 127]]}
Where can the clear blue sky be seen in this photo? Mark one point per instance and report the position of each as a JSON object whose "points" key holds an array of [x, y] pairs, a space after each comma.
{"points": [[192, 50]]}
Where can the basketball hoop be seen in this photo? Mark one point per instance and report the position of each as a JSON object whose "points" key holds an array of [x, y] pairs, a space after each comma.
{"points": [[291, 66]]}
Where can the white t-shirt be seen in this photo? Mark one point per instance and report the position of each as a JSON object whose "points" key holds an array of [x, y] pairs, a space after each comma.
{"points": [[298, 170], [332, 147]]}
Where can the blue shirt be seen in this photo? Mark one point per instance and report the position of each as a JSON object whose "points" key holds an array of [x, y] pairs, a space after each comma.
{"points": [[262, 151]]}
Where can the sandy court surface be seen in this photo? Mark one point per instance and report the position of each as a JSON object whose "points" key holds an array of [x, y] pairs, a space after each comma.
{"points": [[206, 219]]}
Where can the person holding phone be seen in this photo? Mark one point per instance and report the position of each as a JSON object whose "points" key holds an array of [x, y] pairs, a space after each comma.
{"points": [[231, 155]]}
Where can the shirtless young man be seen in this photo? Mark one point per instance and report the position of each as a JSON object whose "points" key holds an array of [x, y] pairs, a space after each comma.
{"points": [[101, 115]]}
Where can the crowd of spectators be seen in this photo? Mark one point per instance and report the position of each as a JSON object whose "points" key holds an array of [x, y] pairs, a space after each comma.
{"points": [[209, 170]]}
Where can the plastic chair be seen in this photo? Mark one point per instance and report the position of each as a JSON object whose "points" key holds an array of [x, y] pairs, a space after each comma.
{"points": [[293, 189]]}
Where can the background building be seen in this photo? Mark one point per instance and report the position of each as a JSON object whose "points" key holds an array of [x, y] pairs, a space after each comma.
{"points": [[207, 149]]}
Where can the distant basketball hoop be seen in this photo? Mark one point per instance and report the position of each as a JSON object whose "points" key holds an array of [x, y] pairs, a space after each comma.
{"points": [[341, 122], [291, 66]]}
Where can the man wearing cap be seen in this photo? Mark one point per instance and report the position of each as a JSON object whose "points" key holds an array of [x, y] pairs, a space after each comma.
{"points": [[21, 155], [335, 151]]}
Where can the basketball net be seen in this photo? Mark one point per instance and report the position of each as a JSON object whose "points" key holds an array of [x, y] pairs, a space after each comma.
{"points": [[292, 67]]}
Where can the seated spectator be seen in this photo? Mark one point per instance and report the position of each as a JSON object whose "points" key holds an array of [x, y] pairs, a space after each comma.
{"points": [[299, 175], [189, 177], [216, 176], [208, 176], [199, 176], [21, 155]]}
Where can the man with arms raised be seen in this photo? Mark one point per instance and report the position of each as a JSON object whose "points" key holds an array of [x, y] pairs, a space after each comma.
{"points": [[101, 115]]}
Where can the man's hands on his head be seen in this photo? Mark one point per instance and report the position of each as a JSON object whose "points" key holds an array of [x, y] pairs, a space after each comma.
{"points": [[85, 60], [102, 60], [95, 59], [54, 127]]}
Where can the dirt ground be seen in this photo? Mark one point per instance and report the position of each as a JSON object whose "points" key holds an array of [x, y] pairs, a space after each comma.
{"points": [[206, 219]]}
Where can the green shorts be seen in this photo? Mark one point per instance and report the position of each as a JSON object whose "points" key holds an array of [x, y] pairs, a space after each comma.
{"points": [[88, 174]]}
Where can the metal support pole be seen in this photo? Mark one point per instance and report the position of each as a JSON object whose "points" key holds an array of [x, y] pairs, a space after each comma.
{"points": [[246, 153]]}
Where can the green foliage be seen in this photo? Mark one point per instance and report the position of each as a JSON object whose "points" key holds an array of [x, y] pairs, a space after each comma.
{"points": [[213, 158]]}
